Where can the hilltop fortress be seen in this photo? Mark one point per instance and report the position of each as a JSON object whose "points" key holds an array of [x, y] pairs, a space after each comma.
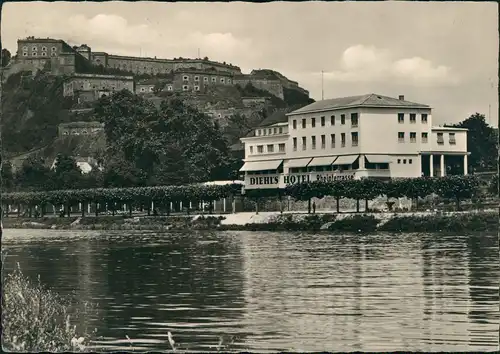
{"points": [[93, 74]]}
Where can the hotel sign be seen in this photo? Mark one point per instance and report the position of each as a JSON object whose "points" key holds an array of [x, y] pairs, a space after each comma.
{"points": [[296, 178]]}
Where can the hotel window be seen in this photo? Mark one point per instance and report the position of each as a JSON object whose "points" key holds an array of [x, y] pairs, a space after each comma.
{"points": [[413, 137], [294, 144], [323, 141], [264, 132], [281, 147], [342, 119], [404, 161], [251, 149], [354, 120], [424, 118], [280, 130], [413, 118], [44, 49], [196, 78], [424, 137], [205, 79], [332, 137], [322, 121], [342, 140], [313, 122], [313, 141], [304, 143], [53, 49], [399, 160], [294, 124], [401, 118], [197, 88], [269, 131], [354, 138], [260, 149], [185, 78], [185, 87], [452, 139], [332, 120], [258, 132], [401, 137], [270, 148], [440, 139], [275, 130], [303, 124], [410, 161]]}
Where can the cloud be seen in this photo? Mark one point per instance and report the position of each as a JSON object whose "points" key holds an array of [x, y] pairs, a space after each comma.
{"points": [[361, 63]]}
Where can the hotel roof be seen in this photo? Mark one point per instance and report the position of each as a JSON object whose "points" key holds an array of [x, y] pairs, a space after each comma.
{"points": [[369, 100]]}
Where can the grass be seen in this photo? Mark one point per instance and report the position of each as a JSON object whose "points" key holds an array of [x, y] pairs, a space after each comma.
{"points": [[35, 319]]}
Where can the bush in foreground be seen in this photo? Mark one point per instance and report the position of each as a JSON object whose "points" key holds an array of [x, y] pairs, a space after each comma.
{"points": [[355, 223], [35, 319]]}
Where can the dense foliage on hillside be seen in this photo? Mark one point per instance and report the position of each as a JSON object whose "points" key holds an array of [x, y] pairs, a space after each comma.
{"points": [[31, 111]]}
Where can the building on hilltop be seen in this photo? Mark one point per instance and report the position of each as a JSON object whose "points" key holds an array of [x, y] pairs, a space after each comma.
{"points": [[90, 87], [196, 80], [350, 138]]}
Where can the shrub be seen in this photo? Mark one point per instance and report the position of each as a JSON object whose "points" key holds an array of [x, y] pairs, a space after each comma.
{"points": [[356, 223], [35, 319]]}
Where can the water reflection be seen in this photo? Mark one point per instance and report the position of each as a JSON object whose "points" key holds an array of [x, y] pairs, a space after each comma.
{"points": [[276, 291]]}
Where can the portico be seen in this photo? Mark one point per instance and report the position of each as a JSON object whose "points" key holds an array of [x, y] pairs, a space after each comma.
{"points": [[440, 164]]}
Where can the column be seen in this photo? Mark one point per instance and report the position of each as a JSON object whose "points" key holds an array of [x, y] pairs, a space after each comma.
{"points": [[180, 206], [224, 205], [361, 162], [441, 165], [88, 207], [466, 163], [431, 165]]}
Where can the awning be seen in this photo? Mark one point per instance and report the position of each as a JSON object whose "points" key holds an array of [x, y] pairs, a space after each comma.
{"points": [[322, 161], [261, 165], [378, 158], [296, 163], [346, 160]]}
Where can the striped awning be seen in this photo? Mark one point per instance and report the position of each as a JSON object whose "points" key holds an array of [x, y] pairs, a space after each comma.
{"points": [[322, 161], [261, 165], [346, 160], [378, 158], [297, 163]]}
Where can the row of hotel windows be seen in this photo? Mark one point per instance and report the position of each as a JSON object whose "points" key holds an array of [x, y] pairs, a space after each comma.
{"points": [[269, 131], [269, 147], [413, 118], [354, 121], [328, 168], [440, 138], [34, 49], [205, 79], [354, 141], [44, 54]]}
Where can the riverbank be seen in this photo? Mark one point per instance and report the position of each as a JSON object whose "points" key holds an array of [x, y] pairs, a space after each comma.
{"points": [[484, 220]]}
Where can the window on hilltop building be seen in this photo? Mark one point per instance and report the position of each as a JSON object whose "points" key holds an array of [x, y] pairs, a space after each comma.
{"points": [[342, 140], [34, 48], [25, 54], [303, 124], [25, 48], [222, 80], [424, 118], [342, 119], [275, 130], [214, 79], [196, 78], [34, 54], [401, 137], [53, 49], [413, 118], [401, 117], [424, 137], [313, 142], [185, 78], [53, 54], [228, 81], [197, 88], [294, 144], [44, 54], [323, 141], [413, 137], [185, 88], [205, 79], [44, 49], [354, 138], [280, 130]]}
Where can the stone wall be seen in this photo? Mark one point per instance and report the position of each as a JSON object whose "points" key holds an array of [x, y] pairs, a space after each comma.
{"points": [[80, 128]]}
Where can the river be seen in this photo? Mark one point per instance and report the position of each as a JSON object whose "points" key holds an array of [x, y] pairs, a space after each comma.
{"points": [[274, 291]]}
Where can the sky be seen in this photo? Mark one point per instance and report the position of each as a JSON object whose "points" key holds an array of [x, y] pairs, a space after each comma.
{"points": [[444, 54]]}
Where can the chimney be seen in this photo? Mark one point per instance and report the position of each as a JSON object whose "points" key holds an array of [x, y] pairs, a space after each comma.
{"points": [[401, 97]]}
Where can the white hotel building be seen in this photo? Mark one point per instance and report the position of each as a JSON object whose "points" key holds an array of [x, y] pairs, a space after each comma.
{"points": [[350, 138]]}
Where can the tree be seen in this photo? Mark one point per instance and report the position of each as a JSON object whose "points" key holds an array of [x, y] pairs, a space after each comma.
{"points": [[457, 187], [482, 142], [34, 175], [370, 189], [6, 56], [7, 176], [67, 175]]}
